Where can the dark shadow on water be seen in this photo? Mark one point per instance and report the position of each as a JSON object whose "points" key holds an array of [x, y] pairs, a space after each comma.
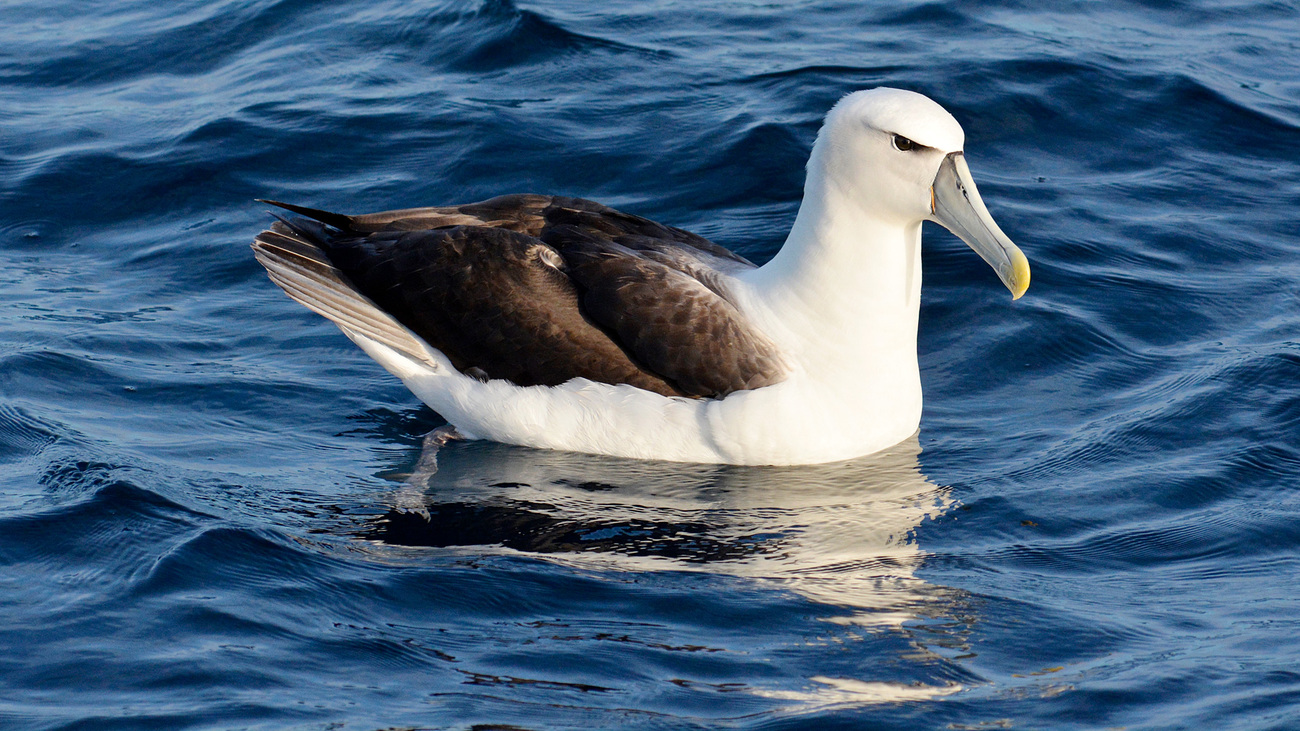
{"points": [[533, 528]]}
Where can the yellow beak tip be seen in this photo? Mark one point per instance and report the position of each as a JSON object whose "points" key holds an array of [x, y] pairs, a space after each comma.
{"points": [[1019, 282]]}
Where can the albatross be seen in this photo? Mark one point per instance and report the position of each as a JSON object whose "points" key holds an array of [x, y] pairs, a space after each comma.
{"points": [[561, 323]]}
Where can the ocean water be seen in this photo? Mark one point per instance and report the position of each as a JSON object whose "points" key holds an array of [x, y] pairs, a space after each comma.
{"points": [[215, 513]]}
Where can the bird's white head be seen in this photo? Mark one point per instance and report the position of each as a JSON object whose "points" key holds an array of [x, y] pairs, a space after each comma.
{"points": [[884, 147], [898, 155]]}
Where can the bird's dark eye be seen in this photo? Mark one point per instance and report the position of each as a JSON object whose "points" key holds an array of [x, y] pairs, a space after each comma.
{"points": [[903, 144]]}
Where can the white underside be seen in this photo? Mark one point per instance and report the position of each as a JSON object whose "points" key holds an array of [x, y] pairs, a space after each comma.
{"points": [[798, 421]]}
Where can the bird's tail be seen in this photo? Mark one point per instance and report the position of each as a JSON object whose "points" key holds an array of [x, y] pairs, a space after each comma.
{"points": [[306, 274]]}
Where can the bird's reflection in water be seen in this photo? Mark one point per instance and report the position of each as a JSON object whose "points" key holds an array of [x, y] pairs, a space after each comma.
{"points": [[841, 534]]}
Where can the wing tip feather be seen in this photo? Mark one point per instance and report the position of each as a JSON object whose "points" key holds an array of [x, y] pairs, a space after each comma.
{"points": [[306, 274]]}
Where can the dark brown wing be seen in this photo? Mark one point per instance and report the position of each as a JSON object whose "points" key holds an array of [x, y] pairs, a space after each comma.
{"points": [[489, 299], [540, 290], [673, 322]]}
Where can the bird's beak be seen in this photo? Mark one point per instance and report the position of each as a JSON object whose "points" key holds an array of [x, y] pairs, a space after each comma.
{"points": [[955, 204]]}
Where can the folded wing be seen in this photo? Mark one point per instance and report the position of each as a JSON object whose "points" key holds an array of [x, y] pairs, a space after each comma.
{"points": [[536, 290]]}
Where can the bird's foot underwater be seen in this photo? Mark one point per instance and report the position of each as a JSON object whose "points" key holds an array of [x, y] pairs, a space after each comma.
{"points": [[411, 497], [428, 464], [439, 438]]}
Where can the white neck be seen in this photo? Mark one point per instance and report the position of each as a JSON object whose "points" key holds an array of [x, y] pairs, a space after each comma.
{"points": [[846, 285]]}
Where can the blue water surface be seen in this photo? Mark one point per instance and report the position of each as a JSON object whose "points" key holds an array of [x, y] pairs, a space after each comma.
{"points": [[215, 513]]}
